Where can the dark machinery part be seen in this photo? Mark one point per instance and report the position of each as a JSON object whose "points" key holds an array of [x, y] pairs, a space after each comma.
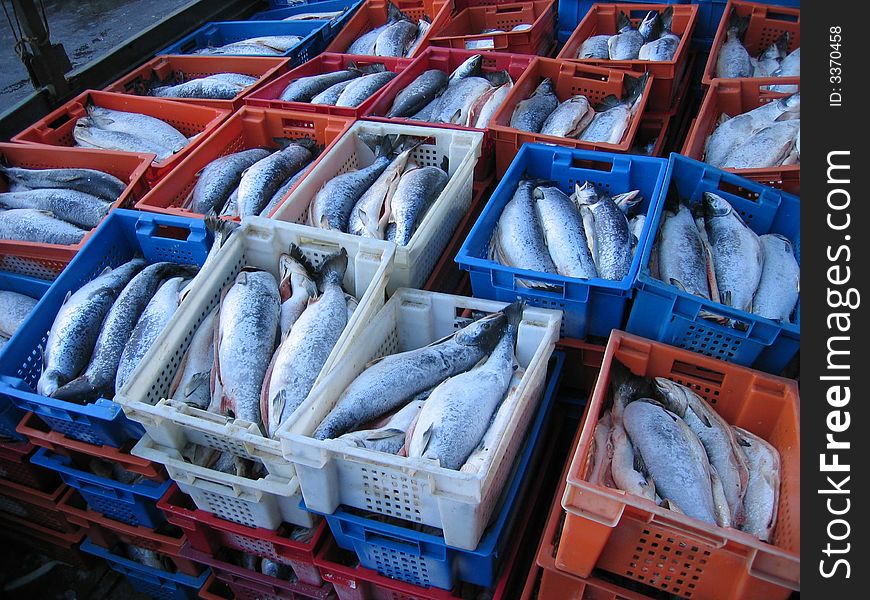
{"points": [[46, 63]]}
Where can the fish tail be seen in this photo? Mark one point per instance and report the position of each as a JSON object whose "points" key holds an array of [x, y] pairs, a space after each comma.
{"points": [[333, 269], [80, 390], [514, 313], [297, 255], [622, 21]]}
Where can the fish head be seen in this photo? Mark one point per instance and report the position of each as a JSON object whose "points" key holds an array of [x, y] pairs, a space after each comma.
{"points": [[715, 206], [673, 395], [586, 194], [650, 26], [471, 66], [483, 333], [545, 87]]}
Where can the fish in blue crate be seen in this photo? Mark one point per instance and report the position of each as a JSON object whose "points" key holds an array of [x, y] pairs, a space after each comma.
{"points": [[734, 60], [586, 235], [467, 96], [449, 402], [269, 45], [767, 136], [14, 308], [660, 440], [708, 251], [106, 327], [651, 40], [575, 117], [399, 36], [55, 206]]}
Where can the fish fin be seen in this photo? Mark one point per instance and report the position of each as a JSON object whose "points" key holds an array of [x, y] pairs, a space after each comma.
{"points": [[738, 24], [678, 284], [79, 390], [395, 14], [454, 118], [373, 68], [324, 222], [296, 254], [195, 382], [711, 272], [427, 437], [67, 297], [445, 164], [384, 434], [667, 18], [622, 21], [607, 103], [498, 78], [782, 43], [332, 268], [634, 87], [671, 505]]}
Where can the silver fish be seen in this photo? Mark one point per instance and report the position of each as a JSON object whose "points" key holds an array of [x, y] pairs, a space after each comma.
{"points": [[192, 383], [262, 179], [391, 381], [418, 93], [331, 207], [220, 177], [87, 134], [390, 437], [761, 502], [330, 95], [779, 287], [361, 89], [626, 44], [423, 27], [715, 434], [769, 147], [612, 251], [733, 60], [210, 87], [682, 259], [306, 88], [80, 209], [624, 466], [531, 113], [416, 191], [771, 58], [790, 67], [98, 379], [143, 126], [14, 308], [396, 39], [613, 115], [470, 67], [458, 413], [30, 225], [457, 101], [88, 181], [595, 47], [304, 351], [146, 557], [365, 44], [296, 288], [570, 118], [270, 45], [564, 233], [153, 321], [483, 113], [247, 329], [365, 218], [518, 239], [673, 456], [283, 191], [737, 253], [77, 325]]}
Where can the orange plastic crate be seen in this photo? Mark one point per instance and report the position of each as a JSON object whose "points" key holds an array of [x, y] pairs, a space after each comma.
{"points": [[633, 537], [569, 79], [248, 128], [167, 68], [268, 96], [373, 13], [15, 466], [34, 506], [467, 25], [766, 25], [733, 97], [46, 261], [56, 129], [601, 19], [53, 544]]}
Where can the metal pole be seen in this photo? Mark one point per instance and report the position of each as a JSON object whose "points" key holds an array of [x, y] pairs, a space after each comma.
{"points": [[46, 62]]}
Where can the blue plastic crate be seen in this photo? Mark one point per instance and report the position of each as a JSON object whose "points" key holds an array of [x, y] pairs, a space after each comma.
{"points": [[121, 236], [279, 13], [710, 14], [148, 580], [663, 313], [423, 559], [11, 415], [571, 12], [134, 504], [224, 32], [591, 307]]}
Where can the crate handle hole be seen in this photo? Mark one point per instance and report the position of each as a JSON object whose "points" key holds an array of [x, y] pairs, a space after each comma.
{"points": [[591, 165], [692, 371]]}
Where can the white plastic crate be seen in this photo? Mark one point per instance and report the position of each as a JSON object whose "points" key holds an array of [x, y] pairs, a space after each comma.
{"points": [[265, 502], [259, 243], [414, 262], [332, 473]]}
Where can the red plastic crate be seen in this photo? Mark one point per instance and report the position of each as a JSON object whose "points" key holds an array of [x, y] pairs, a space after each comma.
{"points": [[448, 60], [373, 13], [447, 277], [15, 467], [48, 260], [39, 434], [251, 585], [569, 79], [215, 589], [34, 506], [467, 25], [766, 24], [250, 127], [208, 534], [53, 544], [167, 67], [56, 129], [108, 533], [633, 537], [601, 20], [733, 97], [268, 96]]}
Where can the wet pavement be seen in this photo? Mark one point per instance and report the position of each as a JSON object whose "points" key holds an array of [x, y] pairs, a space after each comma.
{"points": [[86, 28]]}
